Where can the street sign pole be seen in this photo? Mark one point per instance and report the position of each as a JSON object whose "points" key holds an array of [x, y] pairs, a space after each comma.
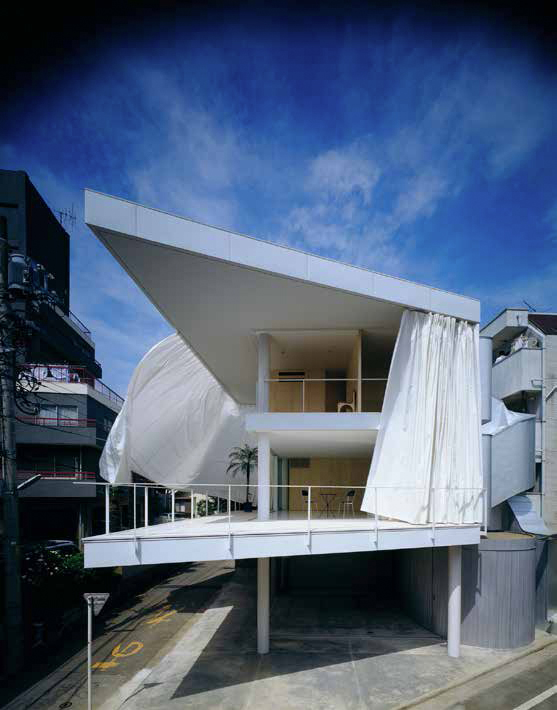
{"points": [[89, 649], [95, 603]]}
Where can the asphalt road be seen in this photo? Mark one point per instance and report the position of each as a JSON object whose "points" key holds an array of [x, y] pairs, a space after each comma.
{"points": [[129, 641]]}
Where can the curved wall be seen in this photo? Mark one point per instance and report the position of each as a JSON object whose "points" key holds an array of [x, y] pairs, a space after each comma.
{"points": [[498, 590]]}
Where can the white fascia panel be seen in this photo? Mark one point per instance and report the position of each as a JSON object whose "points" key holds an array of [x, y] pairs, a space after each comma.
{"points": [[312, 421], [251, 252], [110, 213], [451, 304], [150, 551], [347, 278], [198, 238], [117, 215], [410, 294]]}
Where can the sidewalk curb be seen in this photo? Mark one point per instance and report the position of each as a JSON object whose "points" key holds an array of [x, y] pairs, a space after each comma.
{"points": [[541, 645]]}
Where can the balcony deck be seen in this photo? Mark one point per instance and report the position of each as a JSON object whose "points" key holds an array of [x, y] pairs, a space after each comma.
{"points": [[520, 371], [284, 534]]}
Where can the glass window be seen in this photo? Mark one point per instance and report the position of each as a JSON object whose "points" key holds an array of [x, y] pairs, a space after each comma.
{"points": [[48, 415], [67, 415]]}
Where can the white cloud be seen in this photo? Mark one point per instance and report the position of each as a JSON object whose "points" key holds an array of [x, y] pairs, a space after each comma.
{"points": [[341, 174]]}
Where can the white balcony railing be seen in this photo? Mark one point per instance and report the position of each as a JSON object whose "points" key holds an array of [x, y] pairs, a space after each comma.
{"points": [[226, 506], [307, 394]]}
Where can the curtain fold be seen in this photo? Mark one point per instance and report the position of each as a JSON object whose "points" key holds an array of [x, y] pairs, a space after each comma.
{"points": [[177, 424], [427, 463]]}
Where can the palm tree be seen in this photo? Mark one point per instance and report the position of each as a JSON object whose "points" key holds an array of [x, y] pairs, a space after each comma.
{"points": [[242, 459]]}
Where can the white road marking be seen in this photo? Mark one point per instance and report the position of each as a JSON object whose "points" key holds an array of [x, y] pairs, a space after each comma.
{"points": [[538, 699]]}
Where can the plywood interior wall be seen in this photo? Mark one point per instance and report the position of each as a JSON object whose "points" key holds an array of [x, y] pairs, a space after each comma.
{"points": [[287, 396], [324, 472]]}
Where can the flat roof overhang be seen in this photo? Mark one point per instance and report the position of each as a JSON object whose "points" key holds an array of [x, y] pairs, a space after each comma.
{"points": [[317, 434], [218, 288]]}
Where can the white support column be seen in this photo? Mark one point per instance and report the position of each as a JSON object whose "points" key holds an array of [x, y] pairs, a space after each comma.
{"points": [[263, 605], [263, 366], [263, 477], [455, 593], [486, 358]]}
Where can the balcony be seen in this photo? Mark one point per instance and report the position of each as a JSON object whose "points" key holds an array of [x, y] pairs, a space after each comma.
{"points": [[520, 371], [319, 521], [296, 392], [57, 484], [71, 375], [57, 475], [57, 421]]}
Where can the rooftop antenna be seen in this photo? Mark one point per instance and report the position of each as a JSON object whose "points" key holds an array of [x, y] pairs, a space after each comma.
{"points": [[530, 308], [66, 217]]}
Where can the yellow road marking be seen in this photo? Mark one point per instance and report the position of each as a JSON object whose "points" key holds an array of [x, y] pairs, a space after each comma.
{"points": [[160, 616], [129, 650], [103, 665]]}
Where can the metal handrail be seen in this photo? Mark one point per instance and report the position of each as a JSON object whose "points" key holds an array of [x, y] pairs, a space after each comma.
{"points": [[72, 375], [173, 487], [80, 324], [57, 421], [303, 381], [91, 475]]}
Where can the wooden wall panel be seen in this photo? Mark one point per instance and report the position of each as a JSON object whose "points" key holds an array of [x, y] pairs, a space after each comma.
{"points": [[324, 472], [287, 396]]}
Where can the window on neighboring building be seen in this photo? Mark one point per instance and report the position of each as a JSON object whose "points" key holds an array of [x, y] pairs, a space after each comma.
{"points": [[107, 424], [58, 415]]}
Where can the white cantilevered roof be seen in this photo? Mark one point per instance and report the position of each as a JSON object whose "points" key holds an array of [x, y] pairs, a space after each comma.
{"points": [[218, 288]]}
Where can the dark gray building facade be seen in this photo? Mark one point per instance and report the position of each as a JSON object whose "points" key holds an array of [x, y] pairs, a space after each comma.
{"points": [[62, 441]]}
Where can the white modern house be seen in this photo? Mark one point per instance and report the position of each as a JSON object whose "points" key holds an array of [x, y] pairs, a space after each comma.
{"points": [[365, 395]]}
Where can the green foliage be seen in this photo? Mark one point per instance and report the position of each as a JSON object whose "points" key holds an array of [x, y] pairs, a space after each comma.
{"points": [[242, 459], [202, 506], [53, 581]]}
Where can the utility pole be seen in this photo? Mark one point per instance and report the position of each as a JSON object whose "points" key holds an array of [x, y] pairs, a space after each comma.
{"points": [[13, 622]]}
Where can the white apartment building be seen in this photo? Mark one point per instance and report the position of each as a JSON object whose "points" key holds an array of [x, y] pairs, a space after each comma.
{"points": [[524, 346], [333, 371]]}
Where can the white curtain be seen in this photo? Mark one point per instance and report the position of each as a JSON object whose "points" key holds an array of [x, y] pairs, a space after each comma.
{"points": [[427, 459], [177, 424]]}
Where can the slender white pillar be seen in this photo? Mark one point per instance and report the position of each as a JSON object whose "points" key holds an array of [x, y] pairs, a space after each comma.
{"points": [[263, 477], [455, 598], [263, 365], [486, 356], [263, 605]]}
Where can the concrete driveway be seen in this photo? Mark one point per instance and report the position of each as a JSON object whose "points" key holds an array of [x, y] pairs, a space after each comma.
{"points": [[326, 652]]}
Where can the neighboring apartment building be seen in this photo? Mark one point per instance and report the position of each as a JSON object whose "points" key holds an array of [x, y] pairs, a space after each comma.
{"points": [[62, 442], [524, 346], [309, 344]]}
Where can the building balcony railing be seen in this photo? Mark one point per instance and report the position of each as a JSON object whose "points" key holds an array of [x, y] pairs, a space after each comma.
{"points": [[73, 375], [327, 394], [317, 504], [58, 475], [80, 324], [57, 421]]}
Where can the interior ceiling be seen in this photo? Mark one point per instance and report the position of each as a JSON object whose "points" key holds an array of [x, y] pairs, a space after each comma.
{"points": [[218, 307], [316, 349], [320, 444]]}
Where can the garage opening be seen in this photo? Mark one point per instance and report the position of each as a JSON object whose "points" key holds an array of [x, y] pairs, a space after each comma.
{"points": [[381, 594]]}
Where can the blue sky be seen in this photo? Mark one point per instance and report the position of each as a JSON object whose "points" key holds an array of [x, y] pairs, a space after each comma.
{"points": [[426, 153]]}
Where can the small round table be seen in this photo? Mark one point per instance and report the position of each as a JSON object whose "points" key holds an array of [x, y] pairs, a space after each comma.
{"points": [[327, 497]]}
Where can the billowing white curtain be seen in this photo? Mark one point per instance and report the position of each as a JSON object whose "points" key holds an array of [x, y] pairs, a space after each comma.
{"points": [[427, 462], [177, 424]]}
